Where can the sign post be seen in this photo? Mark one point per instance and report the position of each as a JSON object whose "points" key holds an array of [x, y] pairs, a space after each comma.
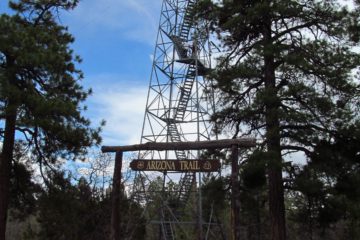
{"points": [[235, 193], [115, 197], [178, 165]]}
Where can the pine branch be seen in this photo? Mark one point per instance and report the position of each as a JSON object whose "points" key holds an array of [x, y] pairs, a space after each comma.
{"points": [[296, 148]]}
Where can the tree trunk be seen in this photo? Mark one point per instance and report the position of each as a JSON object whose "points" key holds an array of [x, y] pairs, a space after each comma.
{"points": [[5, 165], [276, 191]]}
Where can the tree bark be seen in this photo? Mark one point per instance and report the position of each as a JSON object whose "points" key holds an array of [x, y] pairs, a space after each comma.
{"points": [[276, 191], [5, 165], [115, 198], [235, 192]]}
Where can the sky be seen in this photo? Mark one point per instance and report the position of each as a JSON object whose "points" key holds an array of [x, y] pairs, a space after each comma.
{"points": [[115, 39]]}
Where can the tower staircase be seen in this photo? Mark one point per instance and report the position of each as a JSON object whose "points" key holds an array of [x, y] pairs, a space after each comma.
{"points": [[179, 41], [167, 227], [188, 179], [188, 20]]}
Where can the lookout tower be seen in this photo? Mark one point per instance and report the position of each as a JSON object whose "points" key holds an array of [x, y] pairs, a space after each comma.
{"points": [[178, 109]]}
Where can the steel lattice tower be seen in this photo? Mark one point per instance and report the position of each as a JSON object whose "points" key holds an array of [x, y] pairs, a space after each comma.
{"points": [[178, 108]]}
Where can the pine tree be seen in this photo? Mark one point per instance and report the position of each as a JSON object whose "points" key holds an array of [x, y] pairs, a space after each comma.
{"points": [[325, 195], [287, 75], [40, 93], [339, 161]]}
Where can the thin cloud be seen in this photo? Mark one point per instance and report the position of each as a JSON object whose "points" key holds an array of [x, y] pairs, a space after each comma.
{"points": [[131, 19], [121, 104]]}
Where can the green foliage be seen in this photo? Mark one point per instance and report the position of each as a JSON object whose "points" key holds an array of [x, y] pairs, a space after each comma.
{"points": [[253, 171], [216, 205], [23, 190], [71, 212], [40, 93], [40, 79], [338, 159], [325, 192], [65, 210], [214, 196], [289, 75], [312, 61], [133, 224]]}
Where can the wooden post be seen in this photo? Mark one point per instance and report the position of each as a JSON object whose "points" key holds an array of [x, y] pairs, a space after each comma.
{"points": [[196, 145], [235, 193], [115, 198]]}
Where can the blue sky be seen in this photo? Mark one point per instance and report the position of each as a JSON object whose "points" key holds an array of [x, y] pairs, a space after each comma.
{"points": [[115, 39]]}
